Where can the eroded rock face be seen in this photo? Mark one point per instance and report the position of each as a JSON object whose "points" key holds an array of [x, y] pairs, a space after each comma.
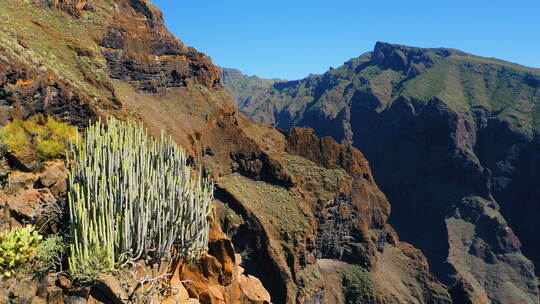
{"points": [[334, 210], [141, 49], [218, 276], [441, 150], [27, 90]]}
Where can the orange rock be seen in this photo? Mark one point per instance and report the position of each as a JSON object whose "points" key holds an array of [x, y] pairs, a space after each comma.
{"points": [[26, 202], [253, 289], [20, 181], [215, 294]]}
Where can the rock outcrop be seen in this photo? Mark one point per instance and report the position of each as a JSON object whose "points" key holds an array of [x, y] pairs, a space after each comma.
{"points": [[452, 140]]}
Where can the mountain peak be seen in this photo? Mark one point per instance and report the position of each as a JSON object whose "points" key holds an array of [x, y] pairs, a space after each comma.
{"points": [[230, 73], [401, 57], [381, 46]]}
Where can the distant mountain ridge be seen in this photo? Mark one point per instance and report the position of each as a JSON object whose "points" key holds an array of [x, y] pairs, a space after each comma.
{"points": [[397, 66], [453, 140], [242, 86]]}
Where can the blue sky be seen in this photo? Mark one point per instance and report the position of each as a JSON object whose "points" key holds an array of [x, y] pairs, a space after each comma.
{"points": [[290, 39]]}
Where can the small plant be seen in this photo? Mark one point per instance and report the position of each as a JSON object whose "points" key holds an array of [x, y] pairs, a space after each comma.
{"points": [[3, 92], [17, 246], [3, 145], [42, 136], [358, 286], [50, 253]]}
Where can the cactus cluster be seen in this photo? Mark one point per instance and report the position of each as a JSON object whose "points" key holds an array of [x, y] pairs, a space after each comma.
{"points": [[131, 196]]}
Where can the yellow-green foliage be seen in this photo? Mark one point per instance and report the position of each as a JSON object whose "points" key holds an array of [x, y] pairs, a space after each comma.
{"points": [[39, 135], [3, 146], [17, 246]]}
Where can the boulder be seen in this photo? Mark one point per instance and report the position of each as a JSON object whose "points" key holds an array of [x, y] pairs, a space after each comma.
{"points": [[54, 295], [20, 181], [54, 178], [108, 289], [26, 163], [25, 204], [253, 290]]}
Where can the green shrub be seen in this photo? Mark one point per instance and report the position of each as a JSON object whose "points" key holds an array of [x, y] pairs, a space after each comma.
{"points": [[131, 197], [3, 93], [358, 286], [3, 145], [17, 246], [17, 140], [50, 253], [85, 269], [39, 135]]}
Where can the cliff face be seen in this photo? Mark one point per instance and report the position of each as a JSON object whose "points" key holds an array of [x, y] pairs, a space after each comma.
{"points": [[304, 212], [243, 87], [452, 140]]}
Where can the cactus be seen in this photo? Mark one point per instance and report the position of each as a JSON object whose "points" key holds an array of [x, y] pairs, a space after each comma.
{"points": [[131, 197]]}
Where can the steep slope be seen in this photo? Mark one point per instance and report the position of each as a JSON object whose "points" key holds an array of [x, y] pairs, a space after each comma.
{"points": [[242, 87], [453, 142], [82, 61]]}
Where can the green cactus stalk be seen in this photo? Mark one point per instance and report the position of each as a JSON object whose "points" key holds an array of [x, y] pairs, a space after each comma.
{"points": [[133, 197]]}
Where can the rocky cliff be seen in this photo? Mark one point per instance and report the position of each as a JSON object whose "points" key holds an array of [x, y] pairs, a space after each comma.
{"points": [[452, 139], [242, 87], [304, 213]]}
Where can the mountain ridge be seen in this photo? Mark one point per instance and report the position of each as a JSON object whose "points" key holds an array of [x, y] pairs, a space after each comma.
{"points": [[447, 134]]}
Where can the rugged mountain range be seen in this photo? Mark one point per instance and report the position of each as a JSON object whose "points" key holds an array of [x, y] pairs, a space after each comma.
{"points": [[453, 141], [304, 212]]}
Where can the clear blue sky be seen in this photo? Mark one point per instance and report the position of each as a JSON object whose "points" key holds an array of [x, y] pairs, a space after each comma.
{"points": [[290, 39]]}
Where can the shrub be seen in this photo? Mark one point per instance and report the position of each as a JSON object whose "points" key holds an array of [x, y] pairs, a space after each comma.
{"points": [[131, 196], [16, 138], [43, 136], [358, 286], [50, 253], [3, 93], [17, 246], [3, 145]]}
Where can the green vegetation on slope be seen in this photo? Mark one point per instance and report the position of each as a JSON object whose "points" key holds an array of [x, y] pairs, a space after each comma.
{"points": [[275, 205], [242, 87], [358, 286], [463, 81], [35, 35]]}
